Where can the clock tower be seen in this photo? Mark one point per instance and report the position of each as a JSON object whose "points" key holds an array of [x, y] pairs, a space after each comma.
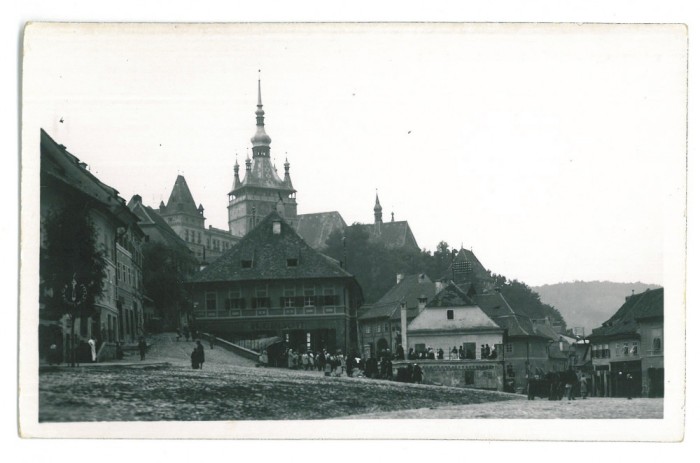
{"points": [[261, 191]]}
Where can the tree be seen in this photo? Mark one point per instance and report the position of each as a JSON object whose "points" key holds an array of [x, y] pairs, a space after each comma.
{"points": [[165, 269], [72, 269]]}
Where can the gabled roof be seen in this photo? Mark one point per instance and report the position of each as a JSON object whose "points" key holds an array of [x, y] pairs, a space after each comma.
{"points": [[316, 228], [468, 318], [268, 253], [392, 234], [148, 218], [181, 200], [451, 296], [495, 305], [60, 165], [639, 306], [467, 268], [410, 289]]}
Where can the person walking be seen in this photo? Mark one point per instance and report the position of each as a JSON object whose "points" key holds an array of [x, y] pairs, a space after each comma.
{"points": [[200, 354], [583, 385], [142, 348], [628, 381], [93, 348]]}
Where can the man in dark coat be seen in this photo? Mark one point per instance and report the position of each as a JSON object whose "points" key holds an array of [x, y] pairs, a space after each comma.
{"points": [[200, 354], [142, 348]]}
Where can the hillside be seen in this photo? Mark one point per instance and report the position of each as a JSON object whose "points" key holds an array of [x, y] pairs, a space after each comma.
{"points": [[588, 304]]}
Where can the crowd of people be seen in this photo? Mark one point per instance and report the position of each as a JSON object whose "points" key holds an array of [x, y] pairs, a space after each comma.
{"points": [[335, 364]]}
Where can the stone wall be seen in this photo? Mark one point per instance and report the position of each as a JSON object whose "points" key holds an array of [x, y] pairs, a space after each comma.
{"points": [[477, 374]]}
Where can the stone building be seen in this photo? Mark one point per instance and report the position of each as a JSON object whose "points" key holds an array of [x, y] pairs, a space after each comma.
{"points": [[66, 180], [274, 284], [187, 221], [631, 342]]}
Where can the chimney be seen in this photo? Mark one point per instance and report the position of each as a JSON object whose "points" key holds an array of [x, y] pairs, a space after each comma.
{"points": [[439, 285], [399, 278], [422, 302], [137, 199]]}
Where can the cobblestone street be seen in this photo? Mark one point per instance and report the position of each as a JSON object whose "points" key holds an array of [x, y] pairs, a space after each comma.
{"points": [[229, 387]]}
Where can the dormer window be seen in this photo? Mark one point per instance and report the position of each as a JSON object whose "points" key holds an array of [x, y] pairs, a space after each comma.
{"points": [[450, 314], [246, 263], [292, 262]]}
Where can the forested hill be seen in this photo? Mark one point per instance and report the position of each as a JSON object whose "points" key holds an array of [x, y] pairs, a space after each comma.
{"points": [[588, 304]]}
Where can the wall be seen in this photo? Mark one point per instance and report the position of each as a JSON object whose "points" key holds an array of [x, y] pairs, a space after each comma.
{"points": [[460, 373]]}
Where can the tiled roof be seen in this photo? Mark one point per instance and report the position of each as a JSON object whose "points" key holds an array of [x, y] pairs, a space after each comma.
{"points": [[148, 217], [392, 234], [316, 228], [57, 163], [624, 322], [269, 254], [409, 289], [468, 269], [497, 307], [451, 296], [262, 174], [181, 200]]}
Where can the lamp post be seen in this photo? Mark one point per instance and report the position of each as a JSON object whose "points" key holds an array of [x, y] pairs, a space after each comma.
{"points": [[74, 295]]}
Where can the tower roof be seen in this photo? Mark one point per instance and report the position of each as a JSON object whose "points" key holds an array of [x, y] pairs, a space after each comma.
{"points": [[181, 200]]}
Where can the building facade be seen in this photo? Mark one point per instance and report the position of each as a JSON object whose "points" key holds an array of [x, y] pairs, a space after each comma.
{"points": [[627, 350], [380, 323], [274, 284], [65, 180]]}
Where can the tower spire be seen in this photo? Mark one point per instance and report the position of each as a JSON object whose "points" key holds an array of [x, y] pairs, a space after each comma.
{"points": [[377, 209], [261, 140]]}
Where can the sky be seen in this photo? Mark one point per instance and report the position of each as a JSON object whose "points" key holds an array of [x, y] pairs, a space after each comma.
{"points": [[554, 152]]}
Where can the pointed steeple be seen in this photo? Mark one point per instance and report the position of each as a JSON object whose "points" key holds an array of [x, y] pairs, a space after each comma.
{"points": [[287, 177], [377, 209], [181, 200], [261, 140], [236, 177]]}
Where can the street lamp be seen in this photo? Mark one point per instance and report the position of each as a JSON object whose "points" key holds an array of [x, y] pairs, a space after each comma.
{"points": [[73, 296]]}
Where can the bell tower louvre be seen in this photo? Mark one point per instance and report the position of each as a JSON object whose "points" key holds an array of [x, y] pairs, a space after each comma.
{"points": [[261, 191]]}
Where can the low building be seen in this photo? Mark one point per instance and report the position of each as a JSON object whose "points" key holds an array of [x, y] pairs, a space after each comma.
{"points": [[630, 343], [380, 323], [272, 283], [452, 324]]}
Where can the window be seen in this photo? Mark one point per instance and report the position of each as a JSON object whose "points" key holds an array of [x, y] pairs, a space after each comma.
{"points": [[625, 349], [292, 262], [635, 349], [246, 263], [276, 228], [450, 314], [378, 328], [509, 348], [261, 299], [329, 296], [309, 296], [234, 300], [368, 329], [606, 351], [656, 346], [211, 304]]}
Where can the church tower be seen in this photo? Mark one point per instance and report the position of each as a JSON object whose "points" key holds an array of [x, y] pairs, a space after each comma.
{"points": [[261, 191]]}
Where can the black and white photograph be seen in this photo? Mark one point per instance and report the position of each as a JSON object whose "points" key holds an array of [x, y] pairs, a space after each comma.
{"points": [[295, 229]]}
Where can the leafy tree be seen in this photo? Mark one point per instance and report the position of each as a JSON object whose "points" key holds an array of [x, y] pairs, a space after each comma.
{"points": [[165, 269], [72, 269], [522, 296]]}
